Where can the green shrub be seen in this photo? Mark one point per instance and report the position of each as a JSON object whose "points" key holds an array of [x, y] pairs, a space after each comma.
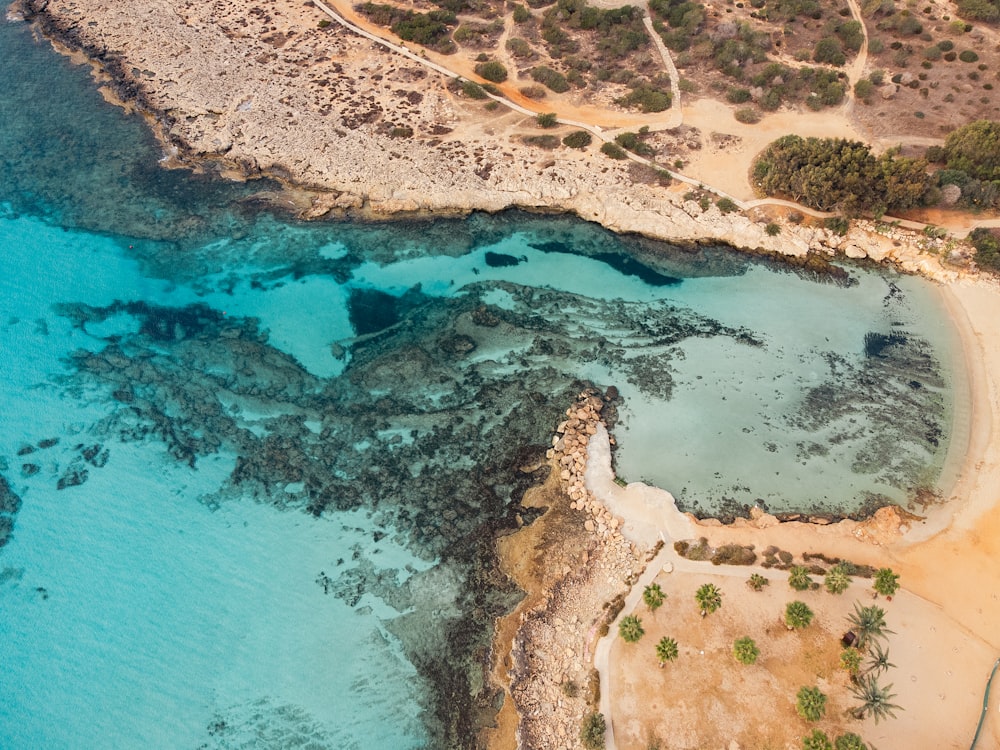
{"points": [[747, 115], [473, 90], [864, 90], [548, 142], [546, 120], [810, 703], [613, 150], [772, 229], [968, 56], [630, 629], [933, 52], [817, 740], [401, 131], [987, 247], [849, 741], [829, 50], [738, 95], [647, 98], [593, 730], [745, 650], [324, 23], [519, 47], [946, 45], [798, 578], [632, 142], [551, 79], [578, 139], [521, 14], [726, 205], [492, 71], [757, 582]]}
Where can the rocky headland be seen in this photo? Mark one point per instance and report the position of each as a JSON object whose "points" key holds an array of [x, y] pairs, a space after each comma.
{"points": [[353, 128]]}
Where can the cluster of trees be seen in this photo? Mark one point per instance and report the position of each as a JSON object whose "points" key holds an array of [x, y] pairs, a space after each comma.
{"points": [[684, 19], [837, 174], [619, 31], [987, 11], [432, 29], [970, 160]]}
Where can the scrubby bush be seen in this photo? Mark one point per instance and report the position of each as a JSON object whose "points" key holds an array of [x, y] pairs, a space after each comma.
{"points": [[747, 115], [548, 142], [593, 730], [829, 50], [519, 48], [613, 150], [551, 79], [726, 205], [968, 56], [647, 98], [987, 247], [521, 14], [632, 142], [772, 229], [738, 95], [492, 71], [864, 90], [578, 139], [810, 703], [546, 120]]}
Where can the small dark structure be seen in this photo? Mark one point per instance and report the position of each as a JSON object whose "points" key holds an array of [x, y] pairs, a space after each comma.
{"points": [[848, 639]]}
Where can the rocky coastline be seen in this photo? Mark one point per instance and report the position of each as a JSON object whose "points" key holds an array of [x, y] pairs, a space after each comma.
{"points": [[352, 129]]}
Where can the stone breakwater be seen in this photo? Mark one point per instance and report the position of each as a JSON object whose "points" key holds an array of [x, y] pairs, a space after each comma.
{"points": [[552, 681], [367, 132]]}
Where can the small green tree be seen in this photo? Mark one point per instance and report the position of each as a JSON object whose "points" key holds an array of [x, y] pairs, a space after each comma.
{"points": [[547, 120], [757, 582], [593, 730], [653, 596], [850, 660], [578, 139], [886, 582], [816, 741], [613, 150], [727, 205], [878, 660], [797, 615], [868, 624], [709, 598], [666, 650], [630, 629], [745, 650], [798, 578], [492, 71], [810, 703], [837, 579], [849, 741], [875, 700], [772, 229]]}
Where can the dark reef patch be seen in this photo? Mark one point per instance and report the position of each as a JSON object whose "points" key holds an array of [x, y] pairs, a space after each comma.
{"points": [[10, 504]]}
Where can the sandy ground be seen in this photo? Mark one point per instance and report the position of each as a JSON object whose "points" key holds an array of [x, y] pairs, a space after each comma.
{"points": [[946, 619]]}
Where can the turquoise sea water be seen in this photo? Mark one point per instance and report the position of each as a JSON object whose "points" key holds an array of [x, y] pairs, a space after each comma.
{"points": [[253, 469]]}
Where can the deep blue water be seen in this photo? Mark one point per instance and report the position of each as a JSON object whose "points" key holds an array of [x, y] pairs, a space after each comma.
{"points": [[253, 469]]}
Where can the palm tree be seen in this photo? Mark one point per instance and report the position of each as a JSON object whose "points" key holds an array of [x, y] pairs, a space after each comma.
{"points": [[798, 578], [757, 582], [745, 650], [878, 660], [837, 579], [653, 596], [886, 582], [666, 650], [797, 615], [816, 741], [630, 629], [869, 623], [709, 598], [849, 741], [810, 703], [875, 700]]}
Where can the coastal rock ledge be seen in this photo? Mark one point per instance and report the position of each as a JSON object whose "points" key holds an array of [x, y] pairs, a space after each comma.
{"points": [[360, 130]]}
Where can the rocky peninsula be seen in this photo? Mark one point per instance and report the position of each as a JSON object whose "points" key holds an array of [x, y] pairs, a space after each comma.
{"points": [[355, 128]]}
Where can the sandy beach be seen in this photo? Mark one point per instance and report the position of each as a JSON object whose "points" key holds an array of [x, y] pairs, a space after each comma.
{"points": [[945, 617]]}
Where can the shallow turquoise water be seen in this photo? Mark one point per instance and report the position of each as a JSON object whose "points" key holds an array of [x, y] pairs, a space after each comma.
{"points": [[254, 468]]}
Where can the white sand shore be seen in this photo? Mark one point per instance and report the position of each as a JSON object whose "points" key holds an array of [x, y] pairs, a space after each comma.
{"points": [[947, 618]]}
